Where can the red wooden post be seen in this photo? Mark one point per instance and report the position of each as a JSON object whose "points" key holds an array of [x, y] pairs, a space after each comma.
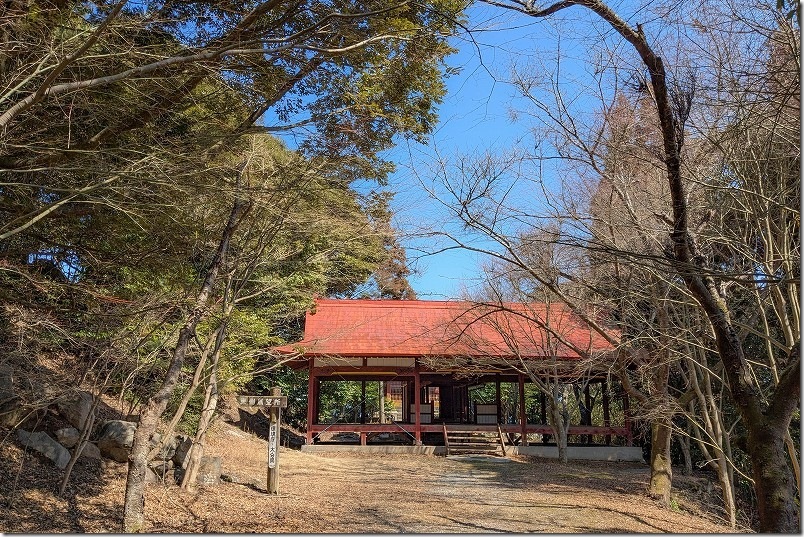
{"points": [[543, 407], [627, 413], [465, 404], [498, 399], [362, 401], [316, 399], [417, 403], [606, 414], [523, 418], [311, 397], [587, 402]]}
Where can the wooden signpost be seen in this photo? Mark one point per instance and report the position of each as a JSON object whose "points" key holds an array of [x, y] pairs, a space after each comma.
{"points": [[274, 403]]}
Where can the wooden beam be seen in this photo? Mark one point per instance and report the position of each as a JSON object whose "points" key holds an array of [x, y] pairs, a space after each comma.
{"points": [[491, 428], [381, 371]]}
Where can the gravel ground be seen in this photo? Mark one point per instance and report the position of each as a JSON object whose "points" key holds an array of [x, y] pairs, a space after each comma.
{"points": [[348, 493]]}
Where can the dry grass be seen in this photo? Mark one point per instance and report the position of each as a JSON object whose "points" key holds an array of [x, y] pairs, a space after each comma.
{"points": [[348, 493]]}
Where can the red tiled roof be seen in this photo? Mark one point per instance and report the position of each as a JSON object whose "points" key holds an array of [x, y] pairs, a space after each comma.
{"points": [[419, 328]]}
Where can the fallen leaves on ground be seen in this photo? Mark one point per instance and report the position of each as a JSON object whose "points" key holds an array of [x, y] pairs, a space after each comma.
{"points": [[351, 493]]}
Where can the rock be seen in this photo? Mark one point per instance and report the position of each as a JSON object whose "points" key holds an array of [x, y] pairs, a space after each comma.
{"points": [[6, 383], [183, 445], [12, 412], [91, 451], [75, 408], [290, 438], [234, 478], [162, 468], [209, 471], [168, 450], [151, 476], [116, 437], [41, 442], [68, 436]]}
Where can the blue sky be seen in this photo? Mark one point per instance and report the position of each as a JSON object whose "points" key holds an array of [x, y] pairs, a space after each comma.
{"points": [[474, 117]]}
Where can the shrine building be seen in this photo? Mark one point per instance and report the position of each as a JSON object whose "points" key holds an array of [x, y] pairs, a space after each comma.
{"points": [[431, 359]]}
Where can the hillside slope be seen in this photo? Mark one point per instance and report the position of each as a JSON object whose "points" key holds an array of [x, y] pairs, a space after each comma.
{"points": [[348, 493]]}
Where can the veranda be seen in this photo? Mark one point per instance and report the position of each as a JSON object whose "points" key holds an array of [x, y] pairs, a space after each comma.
{"points": [[431, 358]]}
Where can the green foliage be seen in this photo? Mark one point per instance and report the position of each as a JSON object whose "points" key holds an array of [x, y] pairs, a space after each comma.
{"points": [[341, 401], [293, 384], [118, 180]]}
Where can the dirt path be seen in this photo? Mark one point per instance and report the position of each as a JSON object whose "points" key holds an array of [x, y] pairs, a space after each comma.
{"points": [[353, 494], [425, 494]]}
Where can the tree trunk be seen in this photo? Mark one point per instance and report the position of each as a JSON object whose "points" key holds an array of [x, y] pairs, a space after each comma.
{"points": [[773, 481], [684, 444], [726, 489], [89, 422], [208, 411], [558, 424], [199, 370], [197, 451], [134, 501], [661, 470]]}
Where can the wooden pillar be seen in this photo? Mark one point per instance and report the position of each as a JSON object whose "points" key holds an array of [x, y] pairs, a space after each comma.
{"points": [[627, 413], [362, 401], [587, 402], [382, 389], [606, 412], [461, 405], [465, 404], [543, 414], [523, 416], [407, 398], [317, 400], [542, 408], [498, 398], [417, 403], [274, 439], [311, 403]]}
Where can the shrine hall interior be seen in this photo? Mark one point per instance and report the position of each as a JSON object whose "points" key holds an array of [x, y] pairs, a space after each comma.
{"points": [[429, 358]]}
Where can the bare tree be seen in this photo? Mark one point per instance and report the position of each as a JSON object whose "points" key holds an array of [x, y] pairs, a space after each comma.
{"points": [[766, 416]]}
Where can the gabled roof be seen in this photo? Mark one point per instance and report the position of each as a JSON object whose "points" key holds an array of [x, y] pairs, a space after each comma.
{"points": [[394, 328]]}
